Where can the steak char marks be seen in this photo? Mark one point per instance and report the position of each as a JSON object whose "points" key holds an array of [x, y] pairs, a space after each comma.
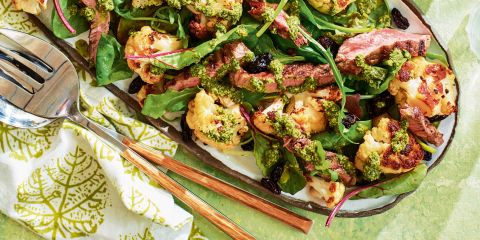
{"points": [[377, 46]]}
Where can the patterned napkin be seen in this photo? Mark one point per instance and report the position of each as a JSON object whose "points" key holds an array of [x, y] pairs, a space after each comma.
{"points": [[61, 181]]}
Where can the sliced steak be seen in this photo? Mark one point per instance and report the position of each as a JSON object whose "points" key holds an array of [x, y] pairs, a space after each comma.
{"points": [[279, 25], [293, 75], [419, 125], [347, 179], [377, 46], [235, 50]]}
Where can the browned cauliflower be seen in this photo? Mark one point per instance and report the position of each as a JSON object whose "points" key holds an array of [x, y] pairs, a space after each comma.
{"points": [[325, 193], [304, 114], [30, 6], [331, 7], [216, 121], [147, 42], [429, 86], [388, 148], [212, 16]]}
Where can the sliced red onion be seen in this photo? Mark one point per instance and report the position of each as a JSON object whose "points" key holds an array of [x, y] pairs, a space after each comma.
{"points": [[157, 54], [62, 17]]}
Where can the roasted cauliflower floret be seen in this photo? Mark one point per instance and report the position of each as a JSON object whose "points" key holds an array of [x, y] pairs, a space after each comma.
{"points": [[30, 6], [146, 3], [429, 86], [331, 7], [304, 114], [146, 42], [216, 121], [212, 16], [388, 148], [325, 193], [308, 113]]}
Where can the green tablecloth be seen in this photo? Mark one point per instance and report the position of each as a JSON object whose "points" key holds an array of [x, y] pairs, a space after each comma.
{"points": [[444, 207]]}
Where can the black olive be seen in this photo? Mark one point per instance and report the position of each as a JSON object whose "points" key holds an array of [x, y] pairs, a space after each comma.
{"points": [[349, 120], [399, 20], [135, 85], [270, 185], [248, 146], [186, 131], [259, 64], [380, 104], [276, 172], [427, 156], [437, 118], [328, 43]]}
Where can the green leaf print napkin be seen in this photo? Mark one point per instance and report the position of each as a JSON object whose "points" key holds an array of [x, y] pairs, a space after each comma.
{"points": [[62, 182]]}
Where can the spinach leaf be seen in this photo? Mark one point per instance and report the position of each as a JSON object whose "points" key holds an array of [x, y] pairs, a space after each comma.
{"points": [[306, 51], [253, 98], [121, 7], [403, 183], [111, 65], [266, 153], [292, 179], [188, 57], [324, 22], [170, 101], [264, 44], [71, 12], [334, 141]]}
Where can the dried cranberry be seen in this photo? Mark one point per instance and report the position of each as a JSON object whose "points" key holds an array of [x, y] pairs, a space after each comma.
{"points": [[380, 104], [328, 43], [270, 185], [248, 146], [259, 64], [349, 120], [276, 173], [186, 131], [399, 20], [135, 85], [427, 156]]}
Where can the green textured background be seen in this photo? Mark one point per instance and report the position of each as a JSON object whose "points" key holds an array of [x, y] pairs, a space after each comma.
{"points": [[444, 207]]}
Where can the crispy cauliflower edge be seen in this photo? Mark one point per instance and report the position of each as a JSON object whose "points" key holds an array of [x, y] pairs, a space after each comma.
{"points": [[430, 86], [147, 42], [325, 193], [219, 125], [30, 6], [378, 147]]}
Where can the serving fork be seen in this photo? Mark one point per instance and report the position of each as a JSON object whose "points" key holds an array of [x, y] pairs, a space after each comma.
{"points": [[43, 85]]}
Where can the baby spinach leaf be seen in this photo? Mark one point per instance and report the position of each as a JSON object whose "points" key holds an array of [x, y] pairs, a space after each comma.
{"points": [[186, 58], [111, 65], [333, 141], [264, 44], [403, 183], [71, 12], [292, 179], [170, 101], [261, 145], [123, 9]]}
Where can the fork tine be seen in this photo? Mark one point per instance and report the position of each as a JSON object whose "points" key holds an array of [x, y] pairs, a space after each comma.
{"points": [[13, 92], [27, 82], [37, 47], [39, 70]]}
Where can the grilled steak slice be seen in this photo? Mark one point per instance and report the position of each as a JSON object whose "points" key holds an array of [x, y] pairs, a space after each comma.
{"points": [[377, 46], [293, 75], [419, 125], [229, 52], [279, 25]]}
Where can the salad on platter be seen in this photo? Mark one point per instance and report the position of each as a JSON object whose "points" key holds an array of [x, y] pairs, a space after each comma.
{"points": [[319, 100]]}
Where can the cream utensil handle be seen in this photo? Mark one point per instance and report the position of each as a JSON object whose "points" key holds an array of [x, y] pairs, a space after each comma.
{"points": [[219, 186]]}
